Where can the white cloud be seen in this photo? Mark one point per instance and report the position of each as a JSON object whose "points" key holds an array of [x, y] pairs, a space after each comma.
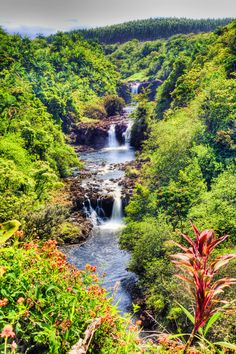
{"points": [[53, 15]]}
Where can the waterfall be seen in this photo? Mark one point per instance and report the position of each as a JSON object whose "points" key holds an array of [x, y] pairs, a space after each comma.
{"points": [[134, 88], [99, 210], [112, 141], [92, 213], [127, 133], [116, 215]]}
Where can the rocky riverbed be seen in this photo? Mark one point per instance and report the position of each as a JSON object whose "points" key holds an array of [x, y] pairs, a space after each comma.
{"points": [[99, 194], [94, 186]]}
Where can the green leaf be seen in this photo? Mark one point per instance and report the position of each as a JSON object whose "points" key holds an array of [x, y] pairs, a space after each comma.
{"points": [[226, 345], [190, 317], [211, 321], [50, 288], [173, 336], [187, 313], [7, 229]]}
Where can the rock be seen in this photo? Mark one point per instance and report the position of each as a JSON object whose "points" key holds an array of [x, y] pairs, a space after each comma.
{"points": [[107, 204], [84, 225], [120, 129], [95, 135]]}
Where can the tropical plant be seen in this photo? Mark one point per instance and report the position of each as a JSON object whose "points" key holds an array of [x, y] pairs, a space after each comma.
{"points": [[7, 229], [199, 269]]}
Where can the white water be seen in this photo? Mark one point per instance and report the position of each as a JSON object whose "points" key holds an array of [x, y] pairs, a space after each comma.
{"points": [[92, 214], [134, 88], [127, 134], [102, 248], [117, 207], [112, 141]]}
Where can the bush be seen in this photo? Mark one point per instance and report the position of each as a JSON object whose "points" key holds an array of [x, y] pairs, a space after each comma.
{"points": [[113, 105], [48, 304], [95, 111], [43, 222]]}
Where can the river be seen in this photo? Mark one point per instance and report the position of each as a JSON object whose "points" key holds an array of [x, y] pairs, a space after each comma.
{"points": [[102, 248]]}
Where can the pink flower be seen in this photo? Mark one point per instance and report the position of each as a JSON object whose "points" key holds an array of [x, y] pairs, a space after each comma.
{"points": [[13, 345], [7, 332], [3, 302], [20, 300]]}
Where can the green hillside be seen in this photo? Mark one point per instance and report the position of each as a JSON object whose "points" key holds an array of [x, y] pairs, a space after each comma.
{"points": [[151, 29], [189, 146]]}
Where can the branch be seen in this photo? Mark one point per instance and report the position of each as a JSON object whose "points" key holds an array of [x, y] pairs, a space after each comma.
{"points": [[81, 347]]}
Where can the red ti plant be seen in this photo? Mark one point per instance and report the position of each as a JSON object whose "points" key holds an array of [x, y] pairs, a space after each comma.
{"points": [[199, 271]]}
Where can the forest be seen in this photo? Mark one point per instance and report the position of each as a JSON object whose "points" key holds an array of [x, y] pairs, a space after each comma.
{"points": [[45, 88], [183, 133], [189, 149], [151, 29]]}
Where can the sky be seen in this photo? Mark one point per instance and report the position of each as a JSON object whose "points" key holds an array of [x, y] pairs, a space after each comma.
{"points": [[48, 16]]}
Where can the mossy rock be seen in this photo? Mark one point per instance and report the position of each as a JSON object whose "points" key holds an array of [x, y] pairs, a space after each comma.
{"points": [[69, 232]]}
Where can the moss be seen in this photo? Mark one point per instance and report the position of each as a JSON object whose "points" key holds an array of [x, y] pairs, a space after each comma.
{"points": [[68, 231]]}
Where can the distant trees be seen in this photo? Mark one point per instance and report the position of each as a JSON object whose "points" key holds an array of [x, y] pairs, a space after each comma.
{"points": [[151, 29]]}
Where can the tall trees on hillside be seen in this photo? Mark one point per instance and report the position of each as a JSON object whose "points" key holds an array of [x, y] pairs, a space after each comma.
{"points": [[151, 29]]}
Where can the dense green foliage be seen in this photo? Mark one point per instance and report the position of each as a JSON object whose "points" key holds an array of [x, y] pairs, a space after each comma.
{"points": [[155, 60], [64, 71], [189, 172], [113, 105], [151, 29], [188, 141], [46, 85], [50, 304]]}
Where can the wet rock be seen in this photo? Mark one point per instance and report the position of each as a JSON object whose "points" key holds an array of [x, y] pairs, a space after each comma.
{"points": [[120, 129], [95, 135], [107, 204], [84, 226]]}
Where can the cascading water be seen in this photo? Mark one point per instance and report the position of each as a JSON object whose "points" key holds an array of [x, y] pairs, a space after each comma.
{"points": [[112, 141], [91, 213], [127, 134], [99, 210], [116, 215], [102, 248], [117, 207], [134, 88]]}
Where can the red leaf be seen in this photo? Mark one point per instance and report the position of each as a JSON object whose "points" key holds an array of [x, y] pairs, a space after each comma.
{"points": [[217, 242], [196, 231], [188, 239], [221, 261]]}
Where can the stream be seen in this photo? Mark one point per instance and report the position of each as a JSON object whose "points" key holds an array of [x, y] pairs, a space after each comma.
{"points": [[102, 248]]}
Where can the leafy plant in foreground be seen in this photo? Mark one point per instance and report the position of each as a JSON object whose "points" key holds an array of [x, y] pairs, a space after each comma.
{"points": [[7, 229], [195, 261]]}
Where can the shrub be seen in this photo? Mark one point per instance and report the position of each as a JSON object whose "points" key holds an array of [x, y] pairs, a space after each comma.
{"points": [[47, 304], [113, 105], [95, 111], [43, 222]]}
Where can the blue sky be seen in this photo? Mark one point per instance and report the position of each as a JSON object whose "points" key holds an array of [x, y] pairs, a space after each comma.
{"points": [[48, 16]]}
